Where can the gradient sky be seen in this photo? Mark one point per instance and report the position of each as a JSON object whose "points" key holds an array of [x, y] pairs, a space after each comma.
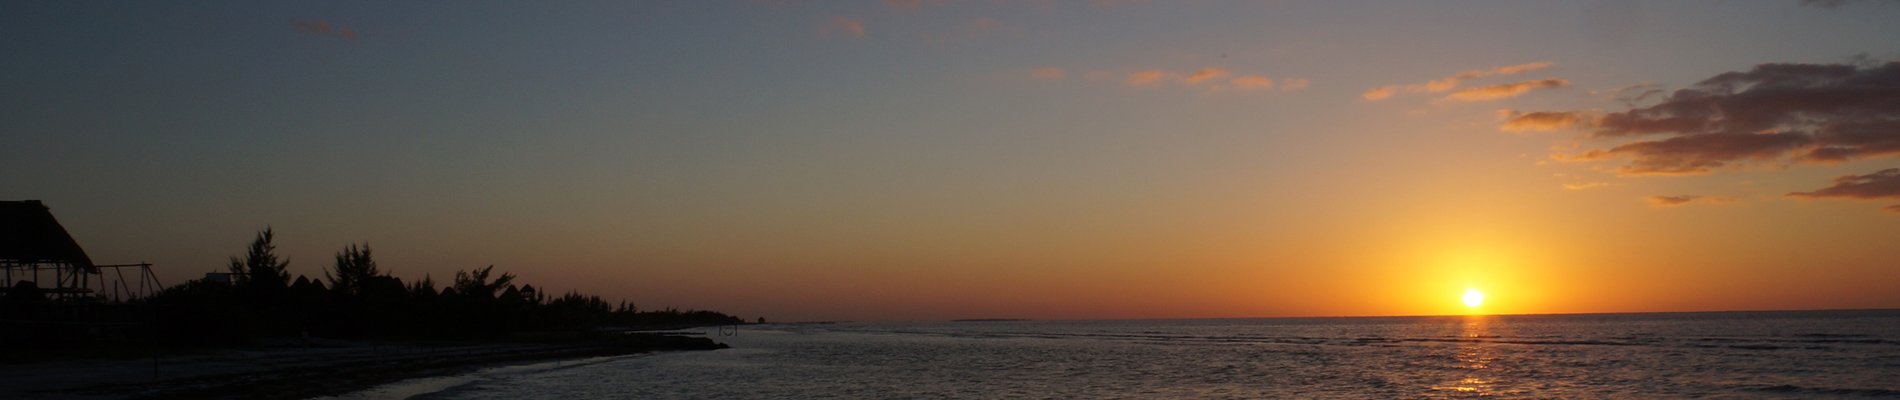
{"points": [[920, 160]]}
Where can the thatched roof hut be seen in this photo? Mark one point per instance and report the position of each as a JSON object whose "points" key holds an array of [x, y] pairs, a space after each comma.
{"points": [[29, 235]]}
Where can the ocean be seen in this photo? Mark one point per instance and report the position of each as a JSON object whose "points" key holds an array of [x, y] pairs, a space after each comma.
{"points": [[1728, 355]]}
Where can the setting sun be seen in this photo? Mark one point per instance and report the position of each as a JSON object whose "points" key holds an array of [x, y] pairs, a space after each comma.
{"points": [[1473, 298]]}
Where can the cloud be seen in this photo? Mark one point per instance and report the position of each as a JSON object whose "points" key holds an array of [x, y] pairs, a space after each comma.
{"points": [[1505, 90], [1884, 184], [1380, 93], [1805, 113], [847, 26], [1049, 73], [1541, 120], [1694, 154], [1585, 185], [1147, 77], [1450, 82], [1207, 74], [1852, 140], [1770, 97], [323, 28], [1210, 79], [1252, 82], [1672, 201]]}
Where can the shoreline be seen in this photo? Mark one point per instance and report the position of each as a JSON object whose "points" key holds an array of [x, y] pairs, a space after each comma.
{"points": [[302, 373]]}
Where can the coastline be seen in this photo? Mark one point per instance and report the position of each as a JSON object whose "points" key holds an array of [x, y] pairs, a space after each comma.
{"points": [[302, 372]]}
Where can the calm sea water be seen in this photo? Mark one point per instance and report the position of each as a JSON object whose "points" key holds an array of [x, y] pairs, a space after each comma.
{"points": [[1745, 355]]}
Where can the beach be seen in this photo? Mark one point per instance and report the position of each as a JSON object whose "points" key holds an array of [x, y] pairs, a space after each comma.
{"points": [[298, 372]]}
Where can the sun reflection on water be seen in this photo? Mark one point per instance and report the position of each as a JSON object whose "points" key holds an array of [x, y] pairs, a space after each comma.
{"points": [[1473, 355]]}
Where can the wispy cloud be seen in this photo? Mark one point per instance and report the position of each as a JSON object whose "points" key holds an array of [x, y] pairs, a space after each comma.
{"points": [[1884, 184], [1585, 185], [845, 26], [1506, 90], [1451, 82], [1541, 120], [1672, 201], [1206, 74], [323, 28], [1148, 77], [1804, 113], [1252, 82], [1632, 95], [1049, 73], [1210, 79], [1693, 155]]}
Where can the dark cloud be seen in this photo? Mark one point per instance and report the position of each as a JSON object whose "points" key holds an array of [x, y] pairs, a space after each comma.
{"points": [[1542, 120], [1847, 141], [1811, 113], [1884, 184], [1695, 154]]}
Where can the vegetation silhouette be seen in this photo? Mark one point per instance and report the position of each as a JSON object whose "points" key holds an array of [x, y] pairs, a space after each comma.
{"points": [[357, 300]]}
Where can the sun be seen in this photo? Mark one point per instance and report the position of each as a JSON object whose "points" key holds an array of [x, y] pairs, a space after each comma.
{"points": [[1473, 298]]}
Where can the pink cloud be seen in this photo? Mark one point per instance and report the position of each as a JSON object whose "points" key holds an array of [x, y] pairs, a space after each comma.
{"points": [[1296, 84]]}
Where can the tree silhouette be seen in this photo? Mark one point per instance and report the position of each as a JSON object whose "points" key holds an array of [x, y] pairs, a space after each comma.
{"points": [[260, 266], [475, 283], [353, 269]]}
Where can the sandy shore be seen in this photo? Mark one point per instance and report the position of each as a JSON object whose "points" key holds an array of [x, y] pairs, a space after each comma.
{"points": [[295, 373]]}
